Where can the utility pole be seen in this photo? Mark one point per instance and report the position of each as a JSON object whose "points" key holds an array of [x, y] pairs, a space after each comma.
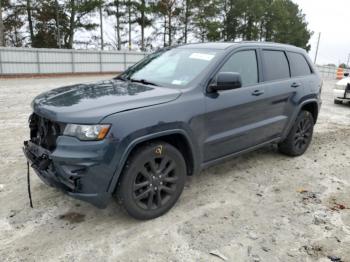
{"points": [[129, 21], [2, 36], [143, 10], [318, 45], [101, 25], [30, 21], [57, 24]]}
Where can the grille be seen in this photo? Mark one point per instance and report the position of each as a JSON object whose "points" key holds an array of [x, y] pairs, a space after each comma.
{"points": [[44, 132]]}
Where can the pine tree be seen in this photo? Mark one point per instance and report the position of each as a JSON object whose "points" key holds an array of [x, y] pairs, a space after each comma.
{"points": [[2, 31], [142, 11], [13, 24], [78, 13], [48, 23], [206, 20], [117, 8]]}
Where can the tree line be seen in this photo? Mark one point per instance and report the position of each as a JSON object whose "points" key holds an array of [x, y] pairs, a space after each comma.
{"points": [[148, 25]]}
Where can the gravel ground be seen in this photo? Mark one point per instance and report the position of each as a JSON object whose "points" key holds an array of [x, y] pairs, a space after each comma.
{"points": [[262, 206]]}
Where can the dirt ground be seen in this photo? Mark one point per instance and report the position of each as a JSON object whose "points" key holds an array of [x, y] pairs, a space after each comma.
{"points": [[262, 206]]}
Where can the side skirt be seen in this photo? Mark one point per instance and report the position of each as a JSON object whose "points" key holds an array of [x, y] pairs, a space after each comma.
{"points": [[224, 158]]}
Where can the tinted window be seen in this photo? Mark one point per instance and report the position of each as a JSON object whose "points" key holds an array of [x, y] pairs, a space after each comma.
{"points": [[275, 65], [245, 63], [298, 65]]}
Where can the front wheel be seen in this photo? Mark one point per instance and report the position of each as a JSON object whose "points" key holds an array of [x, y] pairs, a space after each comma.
{"points": [[152, 180], [300, 136]]}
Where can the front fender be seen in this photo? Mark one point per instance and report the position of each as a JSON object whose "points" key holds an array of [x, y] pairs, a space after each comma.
{"points": [[129, 144]]}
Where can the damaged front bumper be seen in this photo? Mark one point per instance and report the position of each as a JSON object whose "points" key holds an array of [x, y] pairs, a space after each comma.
{"points": [[77, 170]]}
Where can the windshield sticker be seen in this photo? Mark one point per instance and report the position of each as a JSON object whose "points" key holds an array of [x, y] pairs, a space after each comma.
{"points": [[200, 56], [177, 82]]}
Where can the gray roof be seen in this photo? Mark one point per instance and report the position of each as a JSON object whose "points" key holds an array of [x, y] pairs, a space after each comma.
{"points": [[225, 45]]}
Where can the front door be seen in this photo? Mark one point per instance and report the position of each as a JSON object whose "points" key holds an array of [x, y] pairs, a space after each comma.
{"points": [[236, 119]]}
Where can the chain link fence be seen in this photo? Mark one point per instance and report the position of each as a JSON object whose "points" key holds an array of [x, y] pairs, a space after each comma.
{"points": [[329, 72]]}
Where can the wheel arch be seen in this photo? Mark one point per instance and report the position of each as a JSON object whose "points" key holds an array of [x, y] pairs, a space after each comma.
{"points": [[310, 105], [177, 138]]}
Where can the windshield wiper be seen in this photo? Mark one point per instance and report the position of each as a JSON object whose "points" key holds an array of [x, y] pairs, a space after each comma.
{"points": [[143, 81], [120, 78]]}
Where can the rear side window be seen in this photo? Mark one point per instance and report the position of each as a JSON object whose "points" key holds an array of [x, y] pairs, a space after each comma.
{"points": [[275, 65], [298, 65], [245, 63]]}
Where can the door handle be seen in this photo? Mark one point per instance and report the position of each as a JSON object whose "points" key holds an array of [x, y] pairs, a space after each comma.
{"points": [[295, 85], [257, 92]]}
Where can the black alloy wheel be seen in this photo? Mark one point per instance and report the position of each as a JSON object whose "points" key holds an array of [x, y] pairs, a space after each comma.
{"points": [[155, 182], [152, 180], [303, 133], [300, 136]]}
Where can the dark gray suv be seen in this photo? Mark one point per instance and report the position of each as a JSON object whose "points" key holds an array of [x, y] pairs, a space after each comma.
{"points": [[179, 110]]}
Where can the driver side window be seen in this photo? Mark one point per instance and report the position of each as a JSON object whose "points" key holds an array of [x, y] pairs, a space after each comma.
{"points": [[245, 63]]}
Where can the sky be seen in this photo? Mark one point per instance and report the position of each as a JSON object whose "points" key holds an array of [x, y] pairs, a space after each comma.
{"points": [[332, 19]]}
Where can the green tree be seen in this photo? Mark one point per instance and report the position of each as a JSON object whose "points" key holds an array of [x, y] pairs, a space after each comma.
{"points": [[117, 8], [207, 25], [186, 18], [142, 13], [289, 24], [169, 10], [79, 16], [13, 24], [2, 31], [45, 31], [270, 20]]}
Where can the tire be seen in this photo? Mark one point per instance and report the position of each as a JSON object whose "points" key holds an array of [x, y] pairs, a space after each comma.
{"points": [[337, 102], [300, 136], [152, 180]]}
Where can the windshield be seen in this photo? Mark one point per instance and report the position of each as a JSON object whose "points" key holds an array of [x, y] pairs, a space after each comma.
{"points": [[175, 67]]}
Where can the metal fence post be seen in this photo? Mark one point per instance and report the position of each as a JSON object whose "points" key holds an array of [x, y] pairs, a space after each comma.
{"points": [[101, 66], [1, 69], [38, 61], [124, 61], [73, 61]]}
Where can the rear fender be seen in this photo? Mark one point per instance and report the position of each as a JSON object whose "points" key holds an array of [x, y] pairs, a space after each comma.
{"points": [[296, 113]]}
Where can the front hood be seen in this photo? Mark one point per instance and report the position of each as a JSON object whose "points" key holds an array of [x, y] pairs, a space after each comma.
{"points": [[90, 103], [343, 82]]}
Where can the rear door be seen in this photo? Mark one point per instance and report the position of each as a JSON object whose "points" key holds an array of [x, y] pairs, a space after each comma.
{"points": [[236, 119], [281, 89], [302, 73]]}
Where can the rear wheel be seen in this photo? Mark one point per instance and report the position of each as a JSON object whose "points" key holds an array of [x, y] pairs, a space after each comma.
{"points": [[300, 136], [152, 180]]}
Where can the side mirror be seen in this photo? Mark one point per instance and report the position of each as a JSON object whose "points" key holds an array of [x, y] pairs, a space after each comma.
{"points": [[226, 81], [346, 74]]}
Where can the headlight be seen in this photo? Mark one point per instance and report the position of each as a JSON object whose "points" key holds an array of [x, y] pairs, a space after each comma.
{"points": [[87, 132]]}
